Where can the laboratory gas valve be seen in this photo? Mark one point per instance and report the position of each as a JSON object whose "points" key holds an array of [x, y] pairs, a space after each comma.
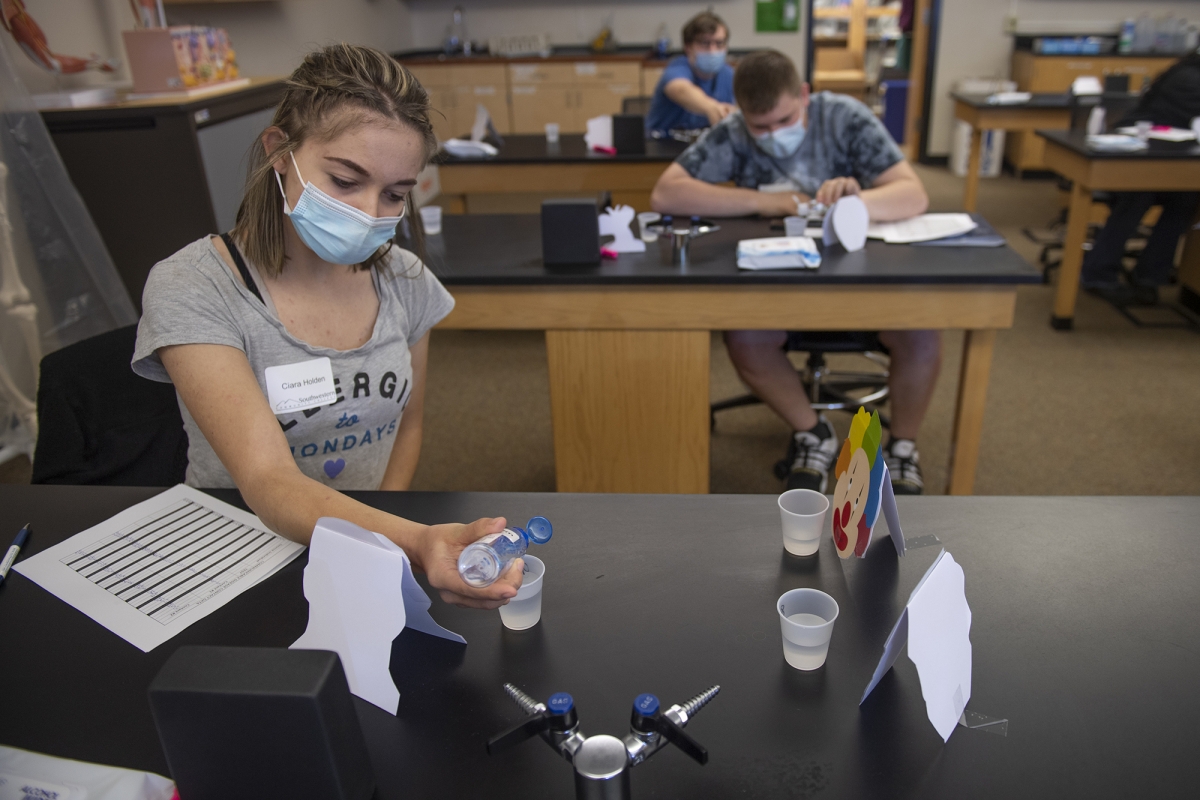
{"points": [[602, 763]]}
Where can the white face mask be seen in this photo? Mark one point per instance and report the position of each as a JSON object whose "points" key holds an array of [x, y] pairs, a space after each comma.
{"points": [[337, 232], [783, 142]]}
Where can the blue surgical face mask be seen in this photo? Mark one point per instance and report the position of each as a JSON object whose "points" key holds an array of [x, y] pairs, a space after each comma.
{"points": [[337, 232], [782, 142], [710, 62]]}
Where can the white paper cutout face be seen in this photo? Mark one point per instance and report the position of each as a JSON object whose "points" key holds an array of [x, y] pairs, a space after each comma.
{"points": [[850, 502]]}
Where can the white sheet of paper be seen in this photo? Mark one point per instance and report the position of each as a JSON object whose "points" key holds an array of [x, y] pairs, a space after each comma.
{"points": [[463, 148], [299, 386], [158, 566], [616, 222], [25, 775], [939, 642], [891, 651], [599, 132], [936, 625], [1086, 84], [850, 222], [924, 228], [891, 514], [361, 593], [479, 128]]}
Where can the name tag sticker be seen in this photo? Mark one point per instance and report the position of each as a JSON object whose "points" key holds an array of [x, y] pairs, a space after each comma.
{"points": [[300, 386]]}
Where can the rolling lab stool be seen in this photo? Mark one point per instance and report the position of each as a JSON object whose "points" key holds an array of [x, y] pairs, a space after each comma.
{"points": [[831, 390]]}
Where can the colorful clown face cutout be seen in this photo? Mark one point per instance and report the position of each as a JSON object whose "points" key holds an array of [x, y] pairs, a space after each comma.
{"points": [[850, 502], [860, 474]]}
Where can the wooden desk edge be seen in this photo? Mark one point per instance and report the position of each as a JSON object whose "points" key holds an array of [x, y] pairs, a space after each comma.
{"points": [[876, 307]]}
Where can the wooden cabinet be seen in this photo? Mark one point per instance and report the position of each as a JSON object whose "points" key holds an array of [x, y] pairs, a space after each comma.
{"points": [[650, 78], [523, 96], [455, 90], [1036, 73], [569, 93]]}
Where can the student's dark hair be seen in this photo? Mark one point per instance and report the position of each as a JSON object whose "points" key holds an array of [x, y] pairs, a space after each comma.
{"points": [[762, 78], [705, 23], [333, 90]]}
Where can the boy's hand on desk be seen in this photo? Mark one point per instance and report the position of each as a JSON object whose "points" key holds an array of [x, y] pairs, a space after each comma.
{"points": [[442, 546], [835, 189], [779, 204]]}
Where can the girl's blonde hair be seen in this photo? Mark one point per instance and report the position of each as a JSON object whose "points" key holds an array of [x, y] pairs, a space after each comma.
{"points": [[333, 90]]}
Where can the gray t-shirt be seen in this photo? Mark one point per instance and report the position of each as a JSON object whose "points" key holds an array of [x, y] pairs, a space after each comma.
{"points": [[842, 139], [194, 298]]}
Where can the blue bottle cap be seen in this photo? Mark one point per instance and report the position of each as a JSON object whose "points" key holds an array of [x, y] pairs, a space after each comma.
{"points": [[645, 704], [539, 529], [560, 703]]}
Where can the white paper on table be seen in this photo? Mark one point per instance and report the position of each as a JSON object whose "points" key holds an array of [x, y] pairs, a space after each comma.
{"points": [[361, 593], [157, 567], [846, 223], [480, 127], [923, 228], [616, 222], [462, 148], [25, 775], [1009, 98], [599, 132], [780, 252], [936, 623], [1163, 134]]}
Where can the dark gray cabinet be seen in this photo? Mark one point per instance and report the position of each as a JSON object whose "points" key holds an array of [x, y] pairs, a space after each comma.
{"points": [[156, 176]]}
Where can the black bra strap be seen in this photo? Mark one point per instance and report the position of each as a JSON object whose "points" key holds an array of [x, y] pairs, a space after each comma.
{"points": [[241, 265]]}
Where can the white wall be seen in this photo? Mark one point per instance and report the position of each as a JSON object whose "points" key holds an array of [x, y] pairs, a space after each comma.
{"points": [[972, 44], [270, 37], [578, 21]]}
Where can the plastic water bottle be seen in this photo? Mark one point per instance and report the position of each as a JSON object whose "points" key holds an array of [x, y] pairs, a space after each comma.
{"points": [[1128, 33], [482, 562], [663, 43]]}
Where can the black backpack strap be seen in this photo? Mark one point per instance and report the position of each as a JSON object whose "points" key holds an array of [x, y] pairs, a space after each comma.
{"points": [[241, 266]]}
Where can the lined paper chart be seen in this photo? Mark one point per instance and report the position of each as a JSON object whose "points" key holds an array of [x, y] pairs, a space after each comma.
{"points": [[159, 566]]}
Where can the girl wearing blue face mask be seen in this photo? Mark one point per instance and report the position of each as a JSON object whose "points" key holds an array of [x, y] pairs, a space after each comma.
{"points": [[297, 342]]}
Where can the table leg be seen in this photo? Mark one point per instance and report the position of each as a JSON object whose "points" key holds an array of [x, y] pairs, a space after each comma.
{"points": [[630, 410], [1072, 257], [1189, 271], [971, 194], [968, 409]]}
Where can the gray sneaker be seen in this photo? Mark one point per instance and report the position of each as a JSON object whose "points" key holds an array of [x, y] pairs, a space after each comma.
{"points": [[810, 455], [904, 463]]}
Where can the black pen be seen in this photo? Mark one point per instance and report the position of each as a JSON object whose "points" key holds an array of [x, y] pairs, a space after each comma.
{"points": [[11, 555]]}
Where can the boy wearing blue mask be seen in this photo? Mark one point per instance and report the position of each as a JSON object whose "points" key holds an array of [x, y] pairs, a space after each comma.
{"points": [[696, 89], [804, 147]]}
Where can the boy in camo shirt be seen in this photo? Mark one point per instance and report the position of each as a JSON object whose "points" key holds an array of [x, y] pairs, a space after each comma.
{"points": [[799, 147]]}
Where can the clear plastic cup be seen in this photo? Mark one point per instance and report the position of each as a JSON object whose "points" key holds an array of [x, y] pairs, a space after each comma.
{"points": [[806, 617], [431, 218], [524, 610], [802, 512], [647, 218], [1143, 127], [551, 132]]}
